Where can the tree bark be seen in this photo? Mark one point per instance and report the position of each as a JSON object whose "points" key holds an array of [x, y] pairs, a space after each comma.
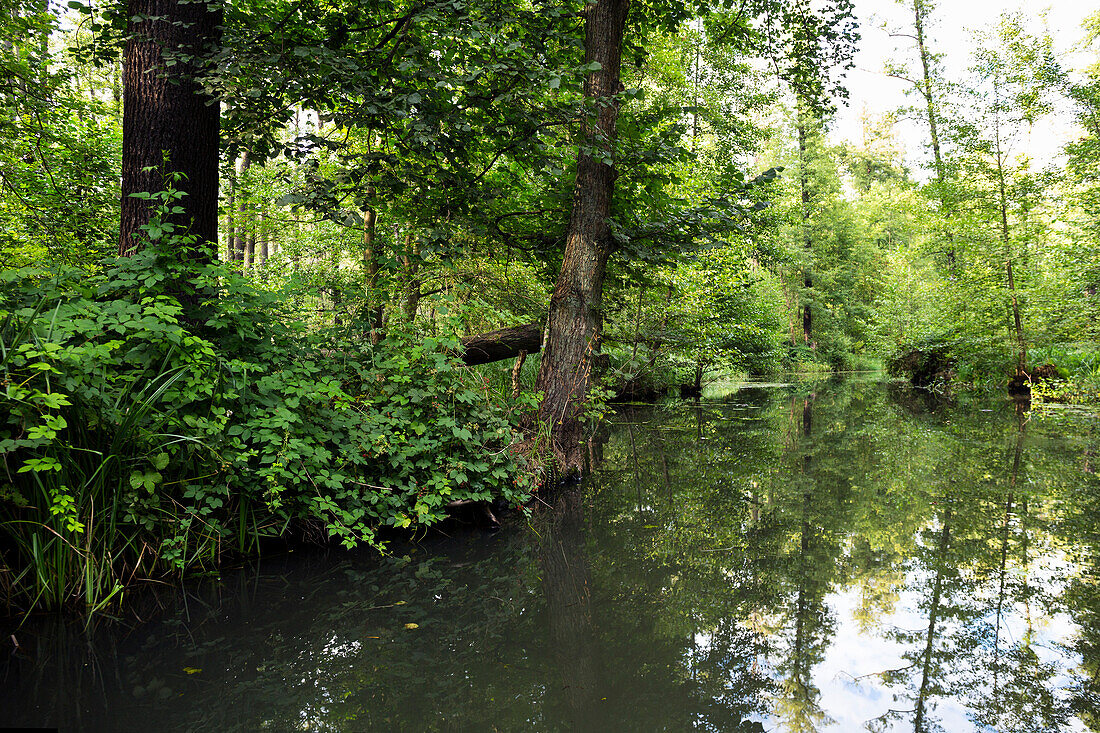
{"points": [[927, 666], [517, 368], [506, 343], [165, 113], [485, 348], [575, 319], [230, 219], [374, 307], [250, 243]]}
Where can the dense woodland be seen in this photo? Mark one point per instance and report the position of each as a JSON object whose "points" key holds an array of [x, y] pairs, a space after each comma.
{"points": [[246, 245]]}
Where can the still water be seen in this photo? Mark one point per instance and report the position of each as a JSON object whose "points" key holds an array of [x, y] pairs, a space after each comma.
{"points": [[825, 557]]}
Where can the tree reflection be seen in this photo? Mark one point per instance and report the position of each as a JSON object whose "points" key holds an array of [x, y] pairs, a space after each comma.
{"points": [[707, 577], [566, 585]]}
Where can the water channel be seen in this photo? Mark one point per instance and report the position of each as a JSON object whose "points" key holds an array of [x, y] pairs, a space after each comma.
{"points": [[830, 556]]}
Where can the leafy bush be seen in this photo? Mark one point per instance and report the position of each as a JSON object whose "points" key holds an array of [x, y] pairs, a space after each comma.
{"points": [[163, 413], [947, 357]]}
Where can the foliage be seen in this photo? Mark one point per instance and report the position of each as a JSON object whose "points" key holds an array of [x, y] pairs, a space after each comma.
{"points": [[405, 169], [59, 150], [137, 437]]}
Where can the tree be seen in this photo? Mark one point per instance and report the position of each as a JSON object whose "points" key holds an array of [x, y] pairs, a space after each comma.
{"points": [[573, 326], [575, 320], [58, 150], [170, 122], [1015, 74], [930, 87]]}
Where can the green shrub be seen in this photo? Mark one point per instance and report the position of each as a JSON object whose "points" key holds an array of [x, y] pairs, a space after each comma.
{"points": [[163, 413]]}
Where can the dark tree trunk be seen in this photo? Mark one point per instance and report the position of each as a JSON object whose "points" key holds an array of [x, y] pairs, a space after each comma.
{"points": [[934, 608], [485, 348], [575, 319], [374, 310], [166, 113], [566, 582], [250, 243], [503, 344], [1002, 189]]}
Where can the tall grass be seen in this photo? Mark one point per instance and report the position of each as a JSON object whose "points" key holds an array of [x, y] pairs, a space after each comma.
{"points": [[68, 532]]}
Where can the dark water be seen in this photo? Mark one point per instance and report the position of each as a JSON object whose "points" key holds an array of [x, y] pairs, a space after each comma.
{"points": [[835, 557]]}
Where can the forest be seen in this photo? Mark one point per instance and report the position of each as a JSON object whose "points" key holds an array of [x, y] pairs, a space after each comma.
{"points": [[316, 270]]}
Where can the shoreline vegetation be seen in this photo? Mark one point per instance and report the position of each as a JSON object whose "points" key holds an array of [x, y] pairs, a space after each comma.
{"points": [[250, 248]]}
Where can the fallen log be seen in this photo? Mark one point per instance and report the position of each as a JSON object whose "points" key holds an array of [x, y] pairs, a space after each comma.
{"points": [[507, 343], [484, 348]]}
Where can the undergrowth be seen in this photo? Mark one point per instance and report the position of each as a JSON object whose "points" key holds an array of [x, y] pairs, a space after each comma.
{"points": [[162, 414]]}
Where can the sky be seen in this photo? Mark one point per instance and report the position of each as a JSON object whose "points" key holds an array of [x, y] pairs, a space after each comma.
{"points": [[950, 34]]}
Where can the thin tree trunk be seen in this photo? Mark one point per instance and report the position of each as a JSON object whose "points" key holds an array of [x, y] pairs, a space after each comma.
{"points": [[250, 243], [920, 13], [240, 238], [412, 280], [637, 328], [933, 618], [807, 240], [231, 219], [264, 234], [374, 310], [516, 369], [575, 319], [1021, 345]]}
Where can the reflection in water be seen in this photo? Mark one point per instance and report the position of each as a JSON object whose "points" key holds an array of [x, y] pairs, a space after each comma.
{"points": [[565, 582], [788, 559]]}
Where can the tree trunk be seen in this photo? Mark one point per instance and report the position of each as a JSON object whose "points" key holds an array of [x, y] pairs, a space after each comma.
{"points": [[934, 607], [807, 240], [264, 234], [250, 243], [575, 319], [240, 239], [230, 219], [920, 12], [517, 368], [411, 260], [165, 113], [503, 344], [375, 308], [1002, 188]]}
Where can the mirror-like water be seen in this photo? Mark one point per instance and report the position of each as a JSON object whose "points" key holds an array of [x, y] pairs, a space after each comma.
{"points": [[797, 558]]}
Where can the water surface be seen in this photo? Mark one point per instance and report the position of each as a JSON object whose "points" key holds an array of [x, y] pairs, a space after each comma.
{"points": [[828, 557]]}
